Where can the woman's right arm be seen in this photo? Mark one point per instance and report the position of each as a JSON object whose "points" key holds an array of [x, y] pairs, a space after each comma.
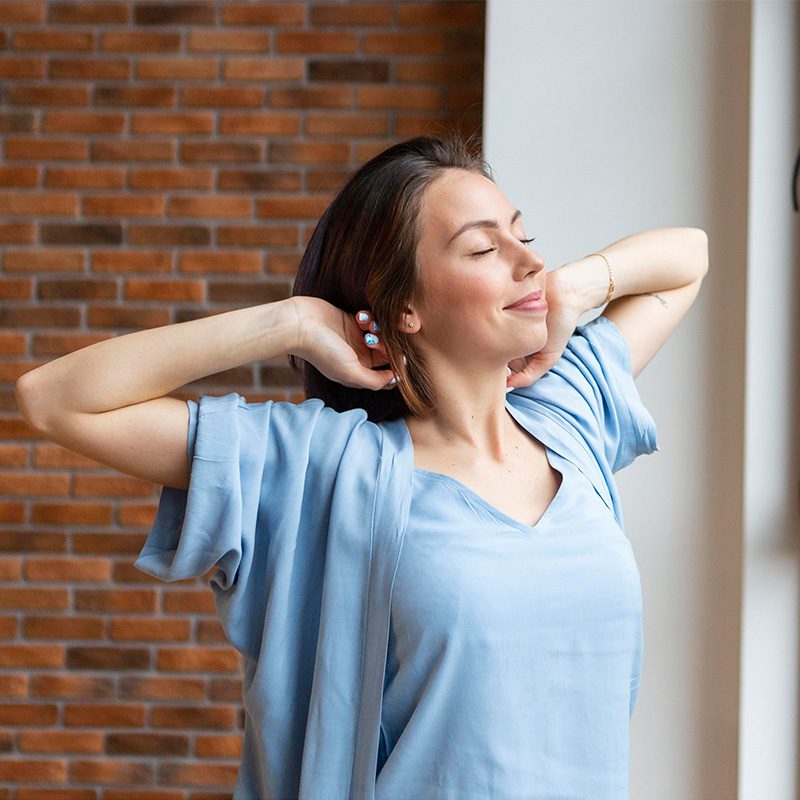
{"points": [[107, 401]]}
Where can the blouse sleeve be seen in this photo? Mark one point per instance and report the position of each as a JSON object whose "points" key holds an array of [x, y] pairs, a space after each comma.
{"points": [[239, 453], [592, 388]]}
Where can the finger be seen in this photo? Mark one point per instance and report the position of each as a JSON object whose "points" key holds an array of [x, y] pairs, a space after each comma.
{"points": [[364, 320]]}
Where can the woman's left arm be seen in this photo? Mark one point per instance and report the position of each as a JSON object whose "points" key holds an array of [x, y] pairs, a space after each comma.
{"points": [[657, 275]]}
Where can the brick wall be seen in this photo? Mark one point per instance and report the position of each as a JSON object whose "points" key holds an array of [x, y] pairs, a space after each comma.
{"points": [[161, 162]]}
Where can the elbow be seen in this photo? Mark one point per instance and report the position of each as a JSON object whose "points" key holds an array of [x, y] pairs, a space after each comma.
{"points": [[25, 394]]}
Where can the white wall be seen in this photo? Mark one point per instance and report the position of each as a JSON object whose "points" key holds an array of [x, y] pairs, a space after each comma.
{"points": [[770, 658], [602, 119]]}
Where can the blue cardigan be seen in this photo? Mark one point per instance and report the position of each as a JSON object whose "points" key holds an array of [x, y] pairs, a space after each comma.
{"points": [[301, 510]]}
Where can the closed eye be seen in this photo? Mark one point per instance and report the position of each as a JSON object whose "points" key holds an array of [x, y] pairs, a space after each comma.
{"points": [[492, 249]]}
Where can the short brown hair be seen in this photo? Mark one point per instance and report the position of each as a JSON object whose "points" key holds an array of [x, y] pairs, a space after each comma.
{"points": [[362, 254]]}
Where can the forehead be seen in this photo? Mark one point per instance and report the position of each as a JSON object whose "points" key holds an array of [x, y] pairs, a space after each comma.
{"points": [[458, 197]]}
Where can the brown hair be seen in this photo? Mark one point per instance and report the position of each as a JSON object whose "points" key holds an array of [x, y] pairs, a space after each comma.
{"points": [[362, 255]]}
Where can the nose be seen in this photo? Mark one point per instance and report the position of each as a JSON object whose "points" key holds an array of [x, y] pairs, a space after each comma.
{"points": [[529, 259]]}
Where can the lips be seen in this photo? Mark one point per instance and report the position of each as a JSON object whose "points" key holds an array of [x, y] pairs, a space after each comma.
{"points": [[527, 299]]}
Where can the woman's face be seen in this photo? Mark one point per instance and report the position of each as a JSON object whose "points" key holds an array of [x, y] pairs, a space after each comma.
{"points": [[471, 274]]}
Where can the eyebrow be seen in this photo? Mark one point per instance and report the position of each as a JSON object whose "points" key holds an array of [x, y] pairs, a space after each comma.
{"points": [[481, 223]]}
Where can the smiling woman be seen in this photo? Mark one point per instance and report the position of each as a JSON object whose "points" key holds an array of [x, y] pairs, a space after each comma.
{"points": [[430, 578]]}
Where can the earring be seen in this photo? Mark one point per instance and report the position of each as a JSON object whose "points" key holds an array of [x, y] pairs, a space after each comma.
{"points": [[410, 324]]}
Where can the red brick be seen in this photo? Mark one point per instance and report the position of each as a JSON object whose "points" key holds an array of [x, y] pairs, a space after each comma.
{"points": [[234, 263], [177, 123], [132, 150], [309, 152], [263, 124], [64, 628], [222, 151], [64, 685], [12, 343], [172, 291], [156, 630], [37, 95], [27, 598], [259, 180], [217, 96], [52, 41], [17, 233], [161, 688], [10, 570], [185, 13], [324, 124], [40, 149], [39, 204], [123, 206], [33, 67], [119, 715], [218, 746], [157, 744], [251, 236], [20, 770], [133, 261], [171, 178], [31, 655], [53, 260], [110, 601], [176, 69], [311, 96], [263, 69], [403, 43], [71, 513], [277, 12], [391, 97], [37, 484], [88, 13], [126, 96], [291, 206], [288, 41], [194, 659], [60, 742], [136, 514], [117, 69], [15, 13], [76, 289], [13, 455], [189, 601], [14, 685], [112, 542], [352, 14], [181, 774], [17, 289], [228, 41], [19, 176], [83, 122], [441, 14], [127, 317], [84, 177], [11, 512], [29, 541], [210, 206], [140, 41], [67, 569], [107, 658], [193, 716], [108, 770]]}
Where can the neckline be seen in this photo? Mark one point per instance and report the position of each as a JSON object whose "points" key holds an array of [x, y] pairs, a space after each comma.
{"points": [[492, 509]]}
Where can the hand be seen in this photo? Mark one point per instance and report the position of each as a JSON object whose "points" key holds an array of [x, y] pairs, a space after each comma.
{"points": [[563, 311], [334, 342]]}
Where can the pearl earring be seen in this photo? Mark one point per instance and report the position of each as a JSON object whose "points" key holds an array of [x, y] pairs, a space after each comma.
{"points": [[410, 324]]}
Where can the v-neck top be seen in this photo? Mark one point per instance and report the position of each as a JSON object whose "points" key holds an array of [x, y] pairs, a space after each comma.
{"points": [[515, 650]]}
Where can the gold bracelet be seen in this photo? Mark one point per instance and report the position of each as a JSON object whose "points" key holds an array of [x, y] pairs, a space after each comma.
{"points": [[610, 279]]}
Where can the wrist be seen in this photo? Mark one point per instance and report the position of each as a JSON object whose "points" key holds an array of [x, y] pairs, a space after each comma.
{"points": [[585, 281]]}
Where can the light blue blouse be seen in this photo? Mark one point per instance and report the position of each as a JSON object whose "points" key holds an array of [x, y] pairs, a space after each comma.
{"points": [[514, 650], [393, 623]]}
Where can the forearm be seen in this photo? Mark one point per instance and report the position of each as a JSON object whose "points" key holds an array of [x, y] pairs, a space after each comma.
{"points": [[151, 363], [647, 262]]}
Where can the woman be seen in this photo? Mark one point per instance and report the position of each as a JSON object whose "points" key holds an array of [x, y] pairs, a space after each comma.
{"points": [[424, 563]]}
